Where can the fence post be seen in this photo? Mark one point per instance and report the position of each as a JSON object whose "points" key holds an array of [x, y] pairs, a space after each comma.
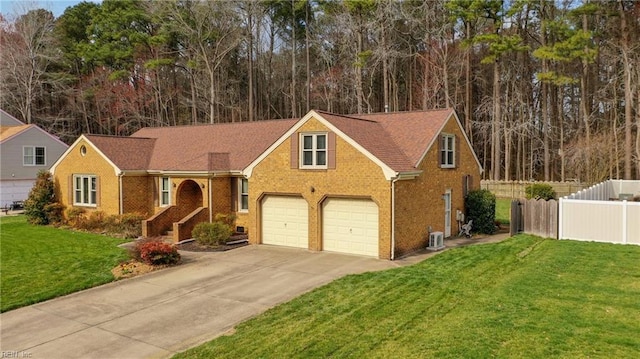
{"points": [[553, 219], [560, 217], [625, 209], [515, 226]]}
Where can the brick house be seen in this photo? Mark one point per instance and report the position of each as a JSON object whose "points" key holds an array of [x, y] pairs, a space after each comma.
{"points": [[371, 185]]}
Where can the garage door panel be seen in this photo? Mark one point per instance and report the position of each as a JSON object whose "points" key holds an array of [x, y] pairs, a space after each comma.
{"points": [[350, 226], [285, 221]]}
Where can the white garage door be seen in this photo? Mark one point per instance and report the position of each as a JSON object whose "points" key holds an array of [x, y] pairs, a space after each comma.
{"points": [[17, 190], [350, 226], [285, 221]]}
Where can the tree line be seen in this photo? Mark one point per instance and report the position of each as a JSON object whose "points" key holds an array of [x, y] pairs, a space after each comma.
{"points": [[545, 90]]}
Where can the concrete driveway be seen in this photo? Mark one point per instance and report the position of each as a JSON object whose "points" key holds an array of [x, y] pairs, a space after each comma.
{"points": [[161, 313]]}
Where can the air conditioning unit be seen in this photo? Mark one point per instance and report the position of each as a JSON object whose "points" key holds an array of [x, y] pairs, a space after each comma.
{"points": [[436, 241]]}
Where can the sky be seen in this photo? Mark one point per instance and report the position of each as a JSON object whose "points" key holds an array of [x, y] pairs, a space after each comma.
{"points": [[10, 8]]}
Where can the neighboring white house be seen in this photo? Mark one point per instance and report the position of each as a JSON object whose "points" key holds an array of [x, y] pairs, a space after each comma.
{"points": [[24, 150]]}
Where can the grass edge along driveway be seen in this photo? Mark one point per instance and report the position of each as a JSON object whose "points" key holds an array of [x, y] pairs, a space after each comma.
{"points": [[41, 262], [525, 297]]}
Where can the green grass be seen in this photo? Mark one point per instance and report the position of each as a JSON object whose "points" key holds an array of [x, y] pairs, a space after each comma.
{"points": [[525, 297], [38, 262], [503, 210]]}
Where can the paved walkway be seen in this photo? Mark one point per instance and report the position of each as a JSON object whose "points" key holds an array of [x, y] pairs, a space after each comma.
{"points": [[164, 312]]}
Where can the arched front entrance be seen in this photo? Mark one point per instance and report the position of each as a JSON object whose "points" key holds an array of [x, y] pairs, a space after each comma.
{"points": [[188, 197]]}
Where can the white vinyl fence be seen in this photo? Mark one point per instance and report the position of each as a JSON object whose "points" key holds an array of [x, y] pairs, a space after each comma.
{"points": [[603, 213]]}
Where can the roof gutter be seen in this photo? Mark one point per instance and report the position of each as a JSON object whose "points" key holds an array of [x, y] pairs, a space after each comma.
{"points": [[132, 173], [406, 175], [194, 173]]}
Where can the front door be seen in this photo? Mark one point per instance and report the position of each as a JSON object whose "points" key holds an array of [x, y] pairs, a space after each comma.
{"points": [[447, 213]]}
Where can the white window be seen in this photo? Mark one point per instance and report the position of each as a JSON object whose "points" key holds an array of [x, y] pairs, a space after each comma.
{"points": [[165, 191], [33, 156], [314, 150], [447, 151], [243, 195], [85, 190]]}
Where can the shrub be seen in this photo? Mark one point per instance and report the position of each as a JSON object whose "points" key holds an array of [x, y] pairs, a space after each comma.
{"points": [[540, 191], [211, 233], [75, 216], [481, 208], [41, 195], [228, 219], [54, 211], [156, 252], [128, 225], [95, 221]]}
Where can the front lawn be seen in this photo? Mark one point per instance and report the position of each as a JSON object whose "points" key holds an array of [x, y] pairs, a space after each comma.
{"points": [[525, 297], [38, 263]]}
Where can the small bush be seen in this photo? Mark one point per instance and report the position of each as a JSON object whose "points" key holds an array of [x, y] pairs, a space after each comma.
{"points": [[156, 252], [95, 221], [54, 213], [128, 225], [481, 208], [228, 219], [75, 216], [41, 195], [212, 234], [540, 191]]}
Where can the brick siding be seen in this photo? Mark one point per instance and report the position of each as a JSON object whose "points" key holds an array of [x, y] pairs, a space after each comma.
{"points": [[354, 176], [419, 202], [92, 163]]}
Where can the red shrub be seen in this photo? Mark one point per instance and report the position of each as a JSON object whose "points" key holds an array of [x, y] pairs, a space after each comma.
{"points": [[157, 252]]}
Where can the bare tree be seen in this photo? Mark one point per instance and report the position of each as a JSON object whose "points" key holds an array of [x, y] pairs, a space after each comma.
{"points": [[27, 51], [210, 29]]}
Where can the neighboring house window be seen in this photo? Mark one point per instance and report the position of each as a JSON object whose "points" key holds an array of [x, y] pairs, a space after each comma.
{"points": [[85, 190], [314, 150], [165, 191], [447, 151], [243, 194], [33, 156]]}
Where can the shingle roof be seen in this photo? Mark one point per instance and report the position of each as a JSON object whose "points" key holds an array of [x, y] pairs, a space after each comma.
{"points": [[7, 132], [128, 153], [372, 136], [228, 146], [412, 131], [398, 139]]}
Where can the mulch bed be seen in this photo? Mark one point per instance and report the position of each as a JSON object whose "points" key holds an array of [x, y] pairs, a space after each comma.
{"points": [[194, 246], [133, 268]]}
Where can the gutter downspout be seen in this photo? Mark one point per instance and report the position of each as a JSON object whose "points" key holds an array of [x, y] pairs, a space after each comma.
{"points": [[210, 200], [393, 217], [120, 194]]}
